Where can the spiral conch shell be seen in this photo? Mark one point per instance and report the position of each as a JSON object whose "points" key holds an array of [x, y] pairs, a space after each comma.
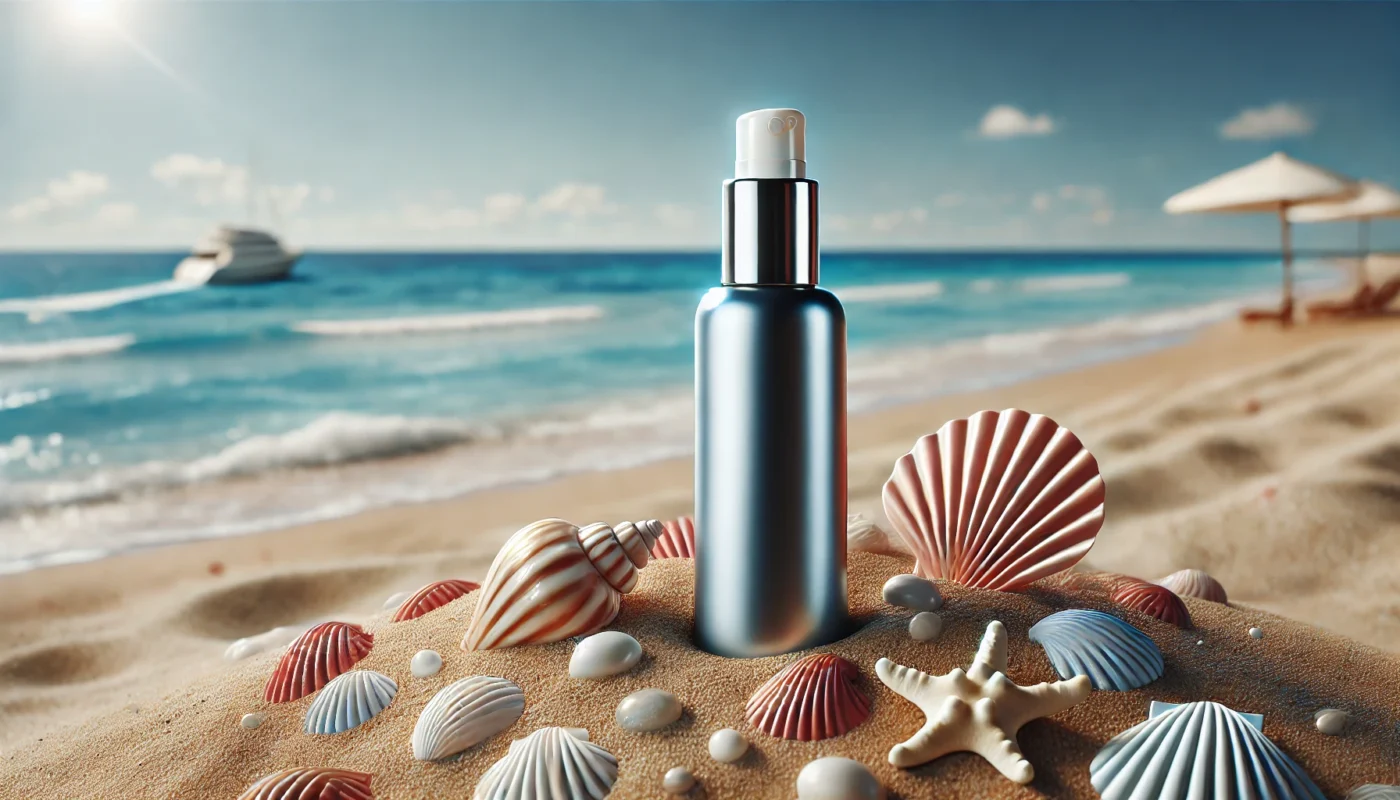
{"points": [[552, 580]]}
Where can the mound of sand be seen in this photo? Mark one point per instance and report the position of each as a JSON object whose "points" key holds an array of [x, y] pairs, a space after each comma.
{"points": [[190, 743]]}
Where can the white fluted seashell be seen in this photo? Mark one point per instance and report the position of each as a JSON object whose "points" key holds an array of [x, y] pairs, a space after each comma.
{"points": [[552, 580], [1114, 654], [604, 654], [1197, 751], [1374, 791], [465, 714], [864, 536], [350, 700], [550, 764], [996, 501]]}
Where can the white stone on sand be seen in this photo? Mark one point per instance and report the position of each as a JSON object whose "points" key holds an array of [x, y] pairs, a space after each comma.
{"points": [[1257, 633], [1331, 721], [678, 780], [425, 664], [925, 626], [648, 710], [604, 654], [395, 600], [251, 721], [912, 592], [835, 778], [728, 745]]}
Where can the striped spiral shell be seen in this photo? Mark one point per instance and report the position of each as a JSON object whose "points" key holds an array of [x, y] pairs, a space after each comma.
{"points": [[433, 596], [813, 698], [996, 501], [677, 541], [315, 658], [311, 783], [552, 580], [1154, 601]]}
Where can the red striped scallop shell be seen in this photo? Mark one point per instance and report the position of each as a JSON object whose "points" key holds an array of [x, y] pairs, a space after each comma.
{"points": [[317, 656], [996, 501], [813, 698], [311, 783], [433, 596], [678, 541], [1154, 601]]}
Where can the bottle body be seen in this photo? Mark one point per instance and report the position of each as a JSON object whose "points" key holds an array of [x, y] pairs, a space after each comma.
{"points": [[770, 470]]}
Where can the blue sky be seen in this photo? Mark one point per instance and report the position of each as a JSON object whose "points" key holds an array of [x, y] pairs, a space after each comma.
{"points": [[523, 125]]}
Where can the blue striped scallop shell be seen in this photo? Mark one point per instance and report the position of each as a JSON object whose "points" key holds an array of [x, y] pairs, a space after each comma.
{"points": [[349, 701], [1114, 654], [1198, 751]]}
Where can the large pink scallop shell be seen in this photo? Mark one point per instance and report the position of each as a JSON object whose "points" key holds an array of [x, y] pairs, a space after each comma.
{"points": [[1195, 583], [997, 500], [678, 540], [1154, 601], [552, 580], [317, 656], [433, 596], [311, 783], [813, 698]]}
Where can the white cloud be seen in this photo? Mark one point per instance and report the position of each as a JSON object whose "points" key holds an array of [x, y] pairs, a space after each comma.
{"points": [[949, 200], [672, 215], [325, 194], [504, 207], [1041, 201], [71, 191], [288, 199], [577, 200], [208, 180], [115, 215], [1270, 122], [1004, 122]]}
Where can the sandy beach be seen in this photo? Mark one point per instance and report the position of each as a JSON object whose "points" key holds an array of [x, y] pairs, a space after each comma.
{"points": [[1269, 458]]}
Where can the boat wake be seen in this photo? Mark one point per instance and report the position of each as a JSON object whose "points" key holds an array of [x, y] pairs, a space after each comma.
{"points": [[40, 307]]}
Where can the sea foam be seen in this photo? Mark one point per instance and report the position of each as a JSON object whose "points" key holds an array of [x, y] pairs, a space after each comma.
{"points": [[438, 323], [34, 352], [39, 307]]}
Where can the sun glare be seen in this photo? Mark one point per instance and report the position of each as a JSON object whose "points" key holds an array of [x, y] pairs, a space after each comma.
{"points": [[92, 13]]}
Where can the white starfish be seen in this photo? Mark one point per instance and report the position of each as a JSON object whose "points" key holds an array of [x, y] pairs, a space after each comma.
{"points": [[978, 711]]}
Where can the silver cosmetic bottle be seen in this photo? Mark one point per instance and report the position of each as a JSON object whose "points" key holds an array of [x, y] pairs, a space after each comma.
{"points": [[770, 392]]}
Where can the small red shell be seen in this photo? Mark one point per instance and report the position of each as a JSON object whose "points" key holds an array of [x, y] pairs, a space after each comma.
{"points": [[813, 698], [311, 783], [1154, 601], [1195, 583], [433, 596], [678, 541], [316, 657]]}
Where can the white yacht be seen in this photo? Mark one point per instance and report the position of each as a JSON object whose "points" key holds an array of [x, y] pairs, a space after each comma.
{"points": [[237, 255]]}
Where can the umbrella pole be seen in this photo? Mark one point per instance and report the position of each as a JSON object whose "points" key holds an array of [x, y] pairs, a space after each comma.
{"points": [[1286, 315], [1363, 247]]}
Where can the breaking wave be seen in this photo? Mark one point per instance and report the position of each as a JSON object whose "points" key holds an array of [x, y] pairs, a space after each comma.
{"points": [[438, 323], [889, 292], [34, 352], [1076, 283]]}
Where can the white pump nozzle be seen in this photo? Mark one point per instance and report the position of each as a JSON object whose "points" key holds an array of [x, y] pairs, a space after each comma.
{"points": [[771, 143]]}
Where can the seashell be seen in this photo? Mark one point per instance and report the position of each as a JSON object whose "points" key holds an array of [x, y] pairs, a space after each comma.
{"points": [[728, 745], [552, 580], [425, 663], [996, 501], [350, 701], [835, 778], [647, 710], [1374, 791], [315, 658], [678, 780], [864, 536], [604, 654], [1197, 751], [925, 626], [1154, 601], [912, 592], [677, 540], [465, 714], [433, 596], [1115, 655], [550, 764], [1195, 583], [311, 783], [395, 600], [813, 698], [277, 638]]}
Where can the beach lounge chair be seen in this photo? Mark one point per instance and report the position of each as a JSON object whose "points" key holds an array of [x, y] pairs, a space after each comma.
{"points": [[1283, 315], [1384, 296], [1365, 302]]}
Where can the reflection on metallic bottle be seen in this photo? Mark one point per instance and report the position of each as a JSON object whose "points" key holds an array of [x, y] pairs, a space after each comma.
{"points": [[770, 384]]}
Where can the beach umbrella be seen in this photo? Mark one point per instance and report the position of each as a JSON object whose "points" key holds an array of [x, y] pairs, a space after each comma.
{"points": [[1373, 201], [1273, 185]]}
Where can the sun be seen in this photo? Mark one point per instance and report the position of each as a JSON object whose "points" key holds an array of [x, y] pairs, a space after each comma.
{"points": [[92, 13]]}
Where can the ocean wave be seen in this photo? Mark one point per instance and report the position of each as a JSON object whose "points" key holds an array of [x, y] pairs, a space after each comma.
{"points": [[1075, 283], [332, 439], [40, 307], [470, 321], [889, 292], [34, 352]]}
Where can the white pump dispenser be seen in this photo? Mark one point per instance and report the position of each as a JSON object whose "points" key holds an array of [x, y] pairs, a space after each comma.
{"points": [[771, 143]]}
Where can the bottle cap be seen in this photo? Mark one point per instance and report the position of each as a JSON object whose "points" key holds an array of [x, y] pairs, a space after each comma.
{"points": [[771, 143]]}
